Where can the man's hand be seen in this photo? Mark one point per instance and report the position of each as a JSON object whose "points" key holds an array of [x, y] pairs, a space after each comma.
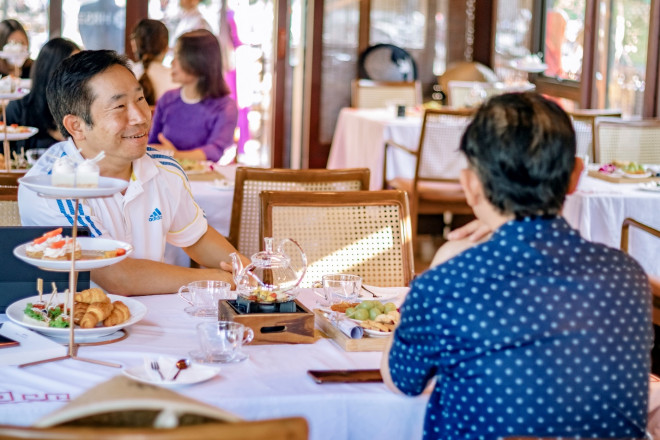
{"points": [[474, 231]]}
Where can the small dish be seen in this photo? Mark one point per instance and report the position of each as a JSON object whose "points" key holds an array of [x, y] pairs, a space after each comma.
{"points": [[191, 375], [222, 185], [201, 313], [381, 293], [41, 184]]}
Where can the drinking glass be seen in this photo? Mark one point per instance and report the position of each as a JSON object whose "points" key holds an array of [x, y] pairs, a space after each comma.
{"points": [[221, 342], [203, 297]]}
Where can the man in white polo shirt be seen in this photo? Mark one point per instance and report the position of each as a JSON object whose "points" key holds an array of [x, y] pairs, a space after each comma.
{"points": [[99, 106]]}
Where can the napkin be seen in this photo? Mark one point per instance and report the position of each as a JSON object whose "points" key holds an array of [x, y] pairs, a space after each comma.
{"points": [[350, 328]]}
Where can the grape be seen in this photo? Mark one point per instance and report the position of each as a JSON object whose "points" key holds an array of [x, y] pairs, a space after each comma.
{"points": [[364, 305], [374, 312], [361, 314], [350, 312], [389, 307]]}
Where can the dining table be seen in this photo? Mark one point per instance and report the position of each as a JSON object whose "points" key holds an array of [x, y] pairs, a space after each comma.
{"points": [[272, 382], [359, 142], [598, 207]]}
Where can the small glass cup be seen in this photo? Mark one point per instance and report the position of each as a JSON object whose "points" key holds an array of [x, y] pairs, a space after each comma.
{"points": [[203, 297], [339, 288], [221, 342]]}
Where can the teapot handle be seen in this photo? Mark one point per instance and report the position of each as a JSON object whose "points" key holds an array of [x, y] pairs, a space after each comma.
{"points": [[302, 256]]}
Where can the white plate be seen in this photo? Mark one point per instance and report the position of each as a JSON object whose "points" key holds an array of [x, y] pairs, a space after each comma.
{"points": [[18, 94], [650, 186], [194, 374], [637, 176], [383, 294], [222, 185], [377, 333], [15, 314], [86, 243], [41, 184], [18, 136]]}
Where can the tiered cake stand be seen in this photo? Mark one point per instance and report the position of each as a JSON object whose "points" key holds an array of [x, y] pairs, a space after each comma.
{"points": [[4, 99], [107, 187]]}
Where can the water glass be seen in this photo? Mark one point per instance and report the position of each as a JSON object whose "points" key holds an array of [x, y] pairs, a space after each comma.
{"points": [[221, 342], [341, 288], [203, 297]]}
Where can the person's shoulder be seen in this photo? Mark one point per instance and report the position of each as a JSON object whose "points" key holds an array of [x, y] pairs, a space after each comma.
{"points": [[222, 105], [165, 162], [170, 97]]}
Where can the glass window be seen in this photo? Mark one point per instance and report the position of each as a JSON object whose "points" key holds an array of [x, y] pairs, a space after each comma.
{"points": [[513, 36], [96, 24], [623, 37], [564, 38], [33, 15], [402, 23]]}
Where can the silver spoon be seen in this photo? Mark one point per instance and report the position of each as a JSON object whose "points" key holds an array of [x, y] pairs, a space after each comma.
{"points": [[181, 364]]}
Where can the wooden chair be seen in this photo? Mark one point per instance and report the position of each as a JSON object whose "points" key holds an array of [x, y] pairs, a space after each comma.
{"points": [[364, 233], [435, 188], [585, 127], [653, 280], [378, 94], [245, 216], [627, 140], [294, 428], [9, 199]]}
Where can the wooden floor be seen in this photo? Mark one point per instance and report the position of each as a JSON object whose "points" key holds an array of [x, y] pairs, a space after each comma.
{"points": [[425, 250]]}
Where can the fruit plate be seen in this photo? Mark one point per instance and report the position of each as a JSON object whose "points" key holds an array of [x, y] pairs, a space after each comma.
{"points": [[637, 175], [86, 244], [15, 314], [18, 136], [41, 184], [377, 333]]}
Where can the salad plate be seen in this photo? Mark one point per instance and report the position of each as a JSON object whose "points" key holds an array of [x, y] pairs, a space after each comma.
{"points": [[86, 244], [41, 184], [16, 315]]}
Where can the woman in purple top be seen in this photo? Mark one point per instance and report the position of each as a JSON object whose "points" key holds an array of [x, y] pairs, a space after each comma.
{"points": [[198, 120]]}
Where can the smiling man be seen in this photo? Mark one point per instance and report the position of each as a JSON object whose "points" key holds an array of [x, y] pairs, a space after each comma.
{"points": [[99, 106]]}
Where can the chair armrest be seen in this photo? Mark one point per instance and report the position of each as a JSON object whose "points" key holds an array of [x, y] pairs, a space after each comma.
{"points": [[391, 143]]}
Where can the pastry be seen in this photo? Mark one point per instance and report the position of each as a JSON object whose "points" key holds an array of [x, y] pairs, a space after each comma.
{"points": [[38, 245], [96, 312], [63, 172], [79, 310], [119, 314], [62, 250], [87, 174], [91, 296]]}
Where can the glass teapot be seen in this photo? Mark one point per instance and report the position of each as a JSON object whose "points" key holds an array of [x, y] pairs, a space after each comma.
{"points": [[270, 278]]}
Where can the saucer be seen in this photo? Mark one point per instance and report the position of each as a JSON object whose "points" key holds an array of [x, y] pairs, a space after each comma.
{"points": [[193, 374], [197, 313], [199, 358]]}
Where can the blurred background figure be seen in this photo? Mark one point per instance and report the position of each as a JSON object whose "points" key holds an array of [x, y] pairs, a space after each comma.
{"points": [[198, 120], [12, 31], [149, 41], [33, 109], [189, 19], [101, 25]]}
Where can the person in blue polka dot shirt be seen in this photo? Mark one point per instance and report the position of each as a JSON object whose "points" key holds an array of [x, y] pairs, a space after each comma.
{"points": [[535, 331]]}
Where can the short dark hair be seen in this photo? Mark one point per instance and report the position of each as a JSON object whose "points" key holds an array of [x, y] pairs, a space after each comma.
{"points": [[151, 39], [68, 92], [199, 54], [522, 148]]}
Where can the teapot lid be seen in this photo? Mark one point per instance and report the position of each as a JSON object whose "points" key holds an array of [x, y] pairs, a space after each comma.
{"points": [[270, 258]]}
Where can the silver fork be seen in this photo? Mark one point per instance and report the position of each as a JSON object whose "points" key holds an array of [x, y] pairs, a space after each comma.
{"points": [[156, 367]]}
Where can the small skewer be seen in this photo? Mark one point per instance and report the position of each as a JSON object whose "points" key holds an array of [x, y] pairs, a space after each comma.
{"points": [[40, 289]]}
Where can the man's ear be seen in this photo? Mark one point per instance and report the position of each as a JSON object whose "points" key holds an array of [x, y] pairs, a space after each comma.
{"points": [[75, 126], [575, 175], [471, 186]]}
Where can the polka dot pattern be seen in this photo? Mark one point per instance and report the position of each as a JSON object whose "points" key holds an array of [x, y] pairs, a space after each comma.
{"points": [[534, 332]]}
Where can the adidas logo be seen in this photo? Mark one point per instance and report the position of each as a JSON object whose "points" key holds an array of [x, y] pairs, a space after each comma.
{"points": [[156, 215]]}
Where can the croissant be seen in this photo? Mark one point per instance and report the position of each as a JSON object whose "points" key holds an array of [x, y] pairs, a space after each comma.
{"points": [[91, 296], [119, 314], [96, 312], [79, 310]]}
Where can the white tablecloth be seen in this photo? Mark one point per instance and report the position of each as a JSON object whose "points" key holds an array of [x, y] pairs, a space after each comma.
{"points": [[273, 382], [216, 203], [597, 209], [359, 142]]}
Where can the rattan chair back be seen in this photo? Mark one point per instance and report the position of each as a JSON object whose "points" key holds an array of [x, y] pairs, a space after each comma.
{"points": [[245, 215], [365, 233], [627, 140], [378, 94], [584, 126]]}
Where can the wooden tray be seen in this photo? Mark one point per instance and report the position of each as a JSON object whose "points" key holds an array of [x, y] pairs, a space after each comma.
{"points": [[365, 344], [273, 328], [620, 179]]}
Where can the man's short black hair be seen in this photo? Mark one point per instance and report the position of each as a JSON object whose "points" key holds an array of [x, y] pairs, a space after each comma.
{"points": [[68, 90], [522, 148]]}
